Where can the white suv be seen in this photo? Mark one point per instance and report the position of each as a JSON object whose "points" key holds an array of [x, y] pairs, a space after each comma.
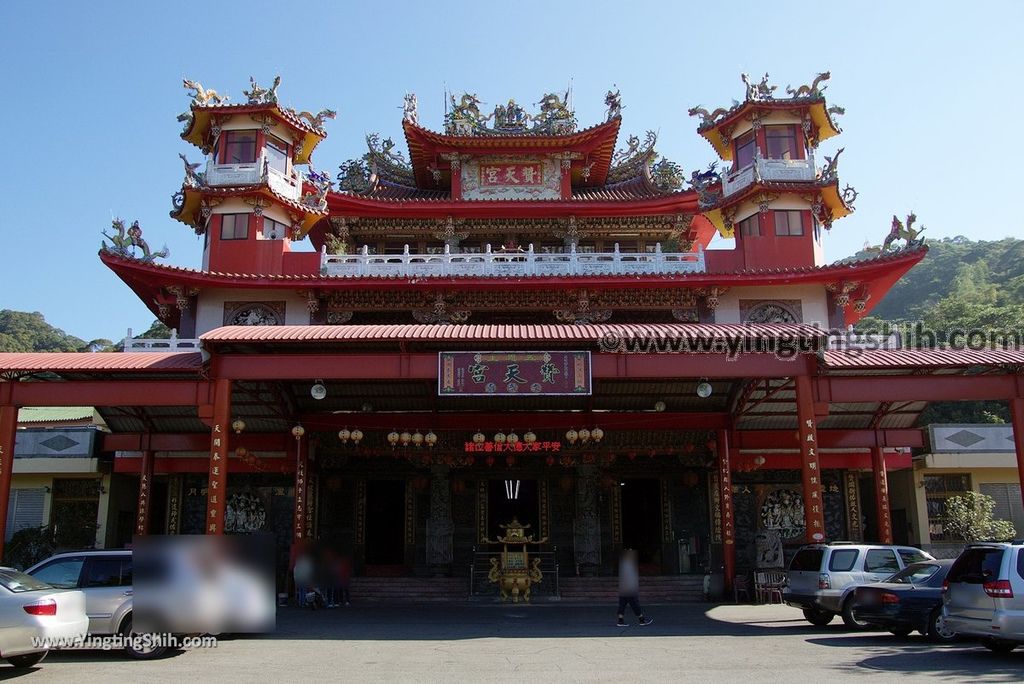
{"points": [[822, 577], [983, 595], [105, 577]]}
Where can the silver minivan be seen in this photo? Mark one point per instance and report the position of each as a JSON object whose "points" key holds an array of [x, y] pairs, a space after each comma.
{"points": [[983, 595], [822, 577], [105, 577]]}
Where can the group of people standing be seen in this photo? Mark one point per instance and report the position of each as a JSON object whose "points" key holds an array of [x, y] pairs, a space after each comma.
{"points": [[322, 576]]}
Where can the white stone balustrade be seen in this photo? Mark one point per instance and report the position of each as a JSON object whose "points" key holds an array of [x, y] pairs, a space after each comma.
{"points": [[774, 170], [174, 343], [504, 263], [286, 185]]}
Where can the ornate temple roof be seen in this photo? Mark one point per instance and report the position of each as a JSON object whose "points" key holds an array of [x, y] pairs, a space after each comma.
{"points": [[807, 101], [201, 121]]}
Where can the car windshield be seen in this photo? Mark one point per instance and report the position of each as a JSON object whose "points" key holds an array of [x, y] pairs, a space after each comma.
{"points": [[918, 573], [15, 581]]}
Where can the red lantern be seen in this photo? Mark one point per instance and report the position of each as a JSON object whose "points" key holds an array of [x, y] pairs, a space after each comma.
{"points": [[550, 460], [490, 460], [510, 460]]}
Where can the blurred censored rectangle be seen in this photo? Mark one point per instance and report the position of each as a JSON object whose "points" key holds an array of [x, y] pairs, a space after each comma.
{"points": [[203, 584]]}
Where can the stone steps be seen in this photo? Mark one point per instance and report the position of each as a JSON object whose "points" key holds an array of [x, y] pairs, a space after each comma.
{"points": [[662, 588]]}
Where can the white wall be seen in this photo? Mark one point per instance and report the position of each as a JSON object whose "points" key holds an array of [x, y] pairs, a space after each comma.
{"points": [[812, 302], [210, 307]]}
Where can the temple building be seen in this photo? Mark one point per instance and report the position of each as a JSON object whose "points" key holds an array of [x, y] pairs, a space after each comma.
{"points": [[513, 316]]}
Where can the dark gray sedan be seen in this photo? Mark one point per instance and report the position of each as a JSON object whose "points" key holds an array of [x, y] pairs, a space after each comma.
{"points": [[911, 599]]}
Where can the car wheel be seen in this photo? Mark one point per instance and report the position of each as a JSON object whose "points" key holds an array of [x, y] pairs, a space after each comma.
{"points": [[901, 633], [937, 629], [137, 648], [998, 645], [850, 619], [818, 617], [27, 660]]}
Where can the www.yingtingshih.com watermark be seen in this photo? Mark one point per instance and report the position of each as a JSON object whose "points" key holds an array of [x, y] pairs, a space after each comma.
{"points": [[790, 342], [116, 642]]}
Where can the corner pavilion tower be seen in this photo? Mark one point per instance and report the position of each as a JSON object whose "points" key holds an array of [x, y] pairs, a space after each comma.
{"points": [[515, 316]]}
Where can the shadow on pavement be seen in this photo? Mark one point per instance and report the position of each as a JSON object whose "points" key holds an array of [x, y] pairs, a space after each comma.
{"points": [[435, 621]]}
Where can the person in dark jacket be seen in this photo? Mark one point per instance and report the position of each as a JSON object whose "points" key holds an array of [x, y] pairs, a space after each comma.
{"points": [[629, 588]]}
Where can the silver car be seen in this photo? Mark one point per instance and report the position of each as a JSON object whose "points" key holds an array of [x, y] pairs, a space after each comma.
{"points": [[983, 595], [35, 617], [105, 577], [822, 577]]}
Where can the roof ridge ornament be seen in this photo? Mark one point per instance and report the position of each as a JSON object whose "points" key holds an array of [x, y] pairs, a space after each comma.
{"points": [[613, 101], [759, 91], [812, 90], [257, 95], [465, 117], [903, 231], [126, 241]]}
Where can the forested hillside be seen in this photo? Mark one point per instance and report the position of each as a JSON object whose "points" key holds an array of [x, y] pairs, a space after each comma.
{"points": [[960, 285]]}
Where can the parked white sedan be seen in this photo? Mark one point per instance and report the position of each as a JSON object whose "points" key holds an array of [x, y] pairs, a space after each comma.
{"points": [[35, 617]]}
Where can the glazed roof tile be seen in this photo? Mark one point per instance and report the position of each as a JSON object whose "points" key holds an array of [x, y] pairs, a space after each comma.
{"points": [[921, 358], [88, 361], [590, 333]]}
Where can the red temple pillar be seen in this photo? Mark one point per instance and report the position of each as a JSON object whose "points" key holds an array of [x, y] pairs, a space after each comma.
{"points": [[8, 432], [301, 491], [814, 510], [1017, 419], [145, 489], [881, 496], [216, 489], [725, 494]]}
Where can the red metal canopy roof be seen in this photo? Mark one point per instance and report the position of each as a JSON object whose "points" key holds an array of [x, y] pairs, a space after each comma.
{"points": [[84, 361], [592, 333], [858, 359]]}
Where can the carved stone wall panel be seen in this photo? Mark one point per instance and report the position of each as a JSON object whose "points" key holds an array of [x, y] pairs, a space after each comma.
{"points": [[254, 313], [771, 310]]}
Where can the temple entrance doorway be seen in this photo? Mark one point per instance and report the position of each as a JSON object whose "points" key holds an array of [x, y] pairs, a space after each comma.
{"points": [[511, 498], [641, 521], [385, 526]]}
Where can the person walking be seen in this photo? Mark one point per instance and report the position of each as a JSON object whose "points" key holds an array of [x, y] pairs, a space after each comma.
{"points": [[629, 588]]}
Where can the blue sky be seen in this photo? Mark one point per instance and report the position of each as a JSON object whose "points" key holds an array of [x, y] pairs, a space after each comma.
{"points": [[91, 90]]}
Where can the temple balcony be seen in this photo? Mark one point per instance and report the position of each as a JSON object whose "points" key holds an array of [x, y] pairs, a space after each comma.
{"points": [[287, 185], [489, 264], [172, 344], [772, 170]]}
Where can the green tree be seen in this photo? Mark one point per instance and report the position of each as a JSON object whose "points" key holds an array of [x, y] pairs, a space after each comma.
{"points": [[157, 331], [969, 517], [21, 331]]}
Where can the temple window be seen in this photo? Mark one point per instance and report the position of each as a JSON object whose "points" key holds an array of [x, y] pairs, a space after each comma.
{"points": [[239, 147], [273, 230], [552, 248], [746, 144], [277, 154], [750, 226], [781, 142], [234, 226], [789, 222]]}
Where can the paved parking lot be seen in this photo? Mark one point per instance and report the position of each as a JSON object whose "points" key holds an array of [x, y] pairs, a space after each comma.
{"points": [[547, 642]]}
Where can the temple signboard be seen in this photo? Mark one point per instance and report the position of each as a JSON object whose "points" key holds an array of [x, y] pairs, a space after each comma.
{"points": [[513, 373], [510, 178]]}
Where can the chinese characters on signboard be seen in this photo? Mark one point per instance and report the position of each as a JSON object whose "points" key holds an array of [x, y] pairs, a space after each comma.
{"points": [[215, 496], [513, 373], [524, 447], [531, 173], [812, 479]]}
